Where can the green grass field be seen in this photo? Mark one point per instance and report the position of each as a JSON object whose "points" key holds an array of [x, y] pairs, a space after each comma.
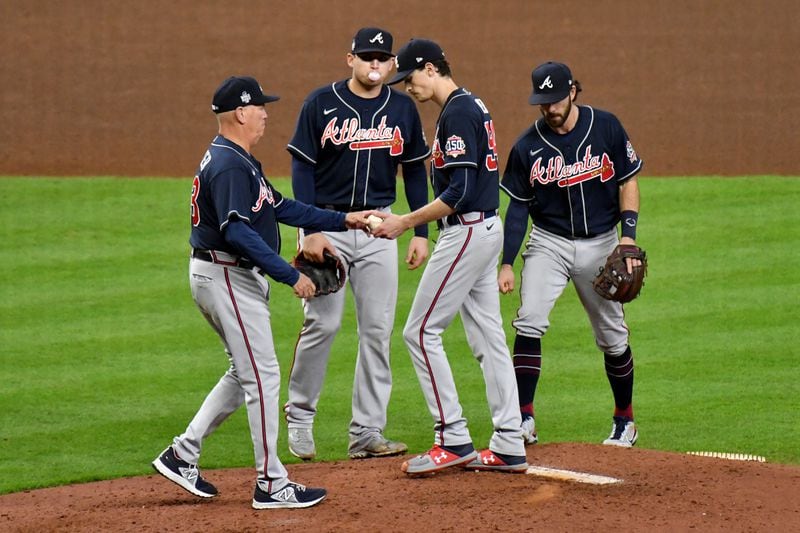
{"points": [[105, 358]]}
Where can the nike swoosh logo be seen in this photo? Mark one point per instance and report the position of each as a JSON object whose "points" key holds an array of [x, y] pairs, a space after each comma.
{"points": [[490, 226], [329, 111], [534, 152]]}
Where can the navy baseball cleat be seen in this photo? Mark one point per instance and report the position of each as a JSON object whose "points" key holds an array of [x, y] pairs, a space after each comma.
{"points": [[183, 474], [623, 433], [292, 496]]}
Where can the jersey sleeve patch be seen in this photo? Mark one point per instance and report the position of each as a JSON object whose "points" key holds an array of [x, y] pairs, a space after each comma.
{"points": [[455, 146], [630, 152]]}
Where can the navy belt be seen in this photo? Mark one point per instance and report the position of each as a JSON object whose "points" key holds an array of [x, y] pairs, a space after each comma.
{"points": [[210, 257], [465, 219]]}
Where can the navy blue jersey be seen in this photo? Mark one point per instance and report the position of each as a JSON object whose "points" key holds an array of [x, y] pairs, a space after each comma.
{"points": [[355, 144], [465, 139], [571, 181], [231, 184]]}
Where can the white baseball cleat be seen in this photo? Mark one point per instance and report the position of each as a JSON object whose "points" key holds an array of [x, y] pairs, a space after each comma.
{"points": [[623, 433], [529, 430], [301, 443]]}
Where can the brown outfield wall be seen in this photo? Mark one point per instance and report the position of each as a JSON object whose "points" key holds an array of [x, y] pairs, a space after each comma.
{"points": [[123, 88]]}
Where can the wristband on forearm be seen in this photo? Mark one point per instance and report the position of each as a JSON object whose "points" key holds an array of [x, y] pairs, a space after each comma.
{"points": [[629, 220]]}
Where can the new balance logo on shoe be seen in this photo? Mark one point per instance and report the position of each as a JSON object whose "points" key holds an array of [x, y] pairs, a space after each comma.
{"points": [[286, 494], [189, 474], [292, 496], [183, 474]]}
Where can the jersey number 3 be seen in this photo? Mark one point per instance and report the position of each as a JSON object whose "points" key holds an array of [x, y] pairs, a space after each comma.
{"points": [[491, 159]]}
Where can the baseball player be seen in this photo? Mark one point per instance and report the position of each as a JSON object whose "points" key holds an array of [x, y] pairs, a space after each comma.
{"points": [[461, 275], [235, 240], [574, 173], [350, 138]]}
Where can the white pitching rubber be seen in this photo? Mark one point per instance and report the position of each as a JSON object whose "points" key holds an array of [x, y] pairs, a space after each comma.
{"points": [[571, 475]]}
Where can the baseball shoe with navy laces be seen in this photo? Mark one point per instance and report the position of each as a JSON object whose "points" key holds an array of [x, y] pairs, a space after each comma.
{"points": [[439, 458], [291, 496], [185, 475], [623, 433], [498, 462]]}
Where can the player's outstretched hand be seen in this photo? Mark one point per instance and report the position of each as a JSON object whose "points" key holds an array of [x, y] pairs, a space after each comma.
{"points": [[505, 279], [360, 219], [304, 288], [392, 226]]}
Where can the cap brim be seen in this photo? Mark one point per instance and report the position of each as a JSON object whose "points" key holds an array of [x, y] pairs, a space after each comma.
{"points": [[400, 76], [546, 98], [267, 98], [368, 50]]}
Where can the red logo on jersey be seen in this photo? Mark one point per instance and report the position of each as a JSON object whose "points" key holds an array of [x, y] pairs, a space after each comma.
{"points": [[264, 193], [381, 136], [437, 156], [590, 167]]}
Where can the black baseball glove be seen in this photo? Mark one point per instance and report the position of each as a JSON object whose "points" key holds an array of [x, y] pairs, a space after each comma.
{"points": [[328, 276], [614, 282]]}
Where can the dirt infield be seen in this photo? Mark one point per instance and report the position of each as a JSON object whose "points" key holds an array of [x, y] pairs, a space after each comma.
{"points": [[124, 88], [659, 492]]}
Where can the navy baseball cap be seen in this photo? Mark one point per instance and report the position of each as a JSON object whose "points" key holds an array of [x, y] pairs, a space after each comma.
{"points": [[551, 82], [372, 40], [414, 55], [239, 91]]}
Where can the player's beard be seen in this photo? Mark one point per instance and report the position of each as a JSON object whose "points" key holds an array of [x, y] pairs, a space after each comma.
{"points": [[556, 120]]}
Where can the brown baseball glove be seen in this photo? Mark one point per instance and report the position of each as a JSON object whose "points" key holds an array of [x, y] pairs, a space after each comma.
{"points": [[328, 276], [614, 282]]}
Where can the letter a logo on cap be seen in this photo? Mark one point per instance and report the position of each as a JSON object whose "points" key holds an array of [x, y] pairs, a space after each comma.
{"points": [[378, 37], [546, 83]]}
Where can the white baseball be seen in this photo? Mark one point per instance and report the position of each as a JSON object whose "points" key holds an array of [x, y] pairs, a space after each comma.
{"points": [[373, 222]]}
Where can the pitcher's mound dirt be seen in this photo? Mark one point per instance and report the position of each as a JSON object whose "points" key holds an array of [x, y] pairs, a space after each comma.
{"points": [[660, 492]]}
